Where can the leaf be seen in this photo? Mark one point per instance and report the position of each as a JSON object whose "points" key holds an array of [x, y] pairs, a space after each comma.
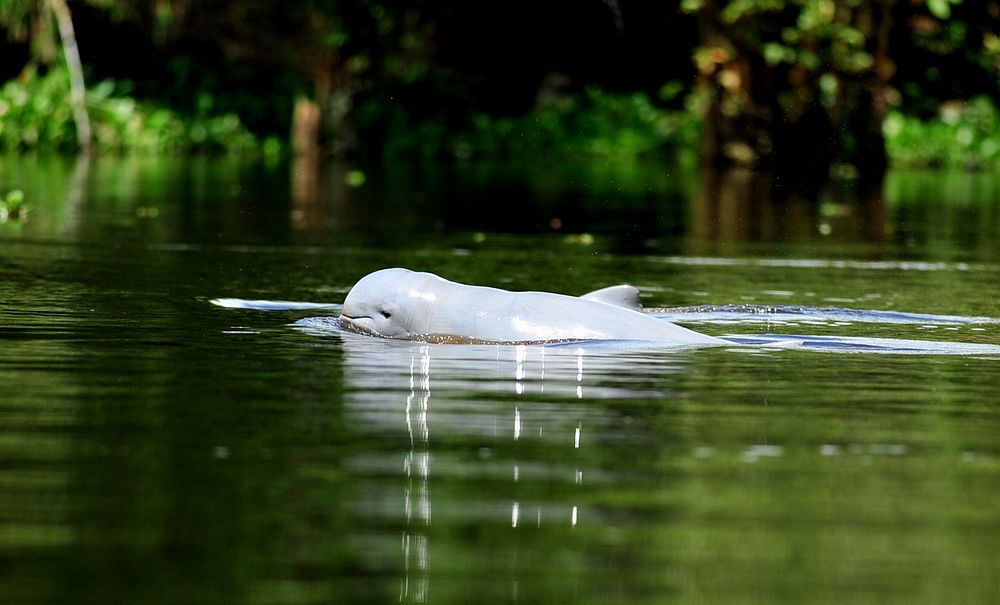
{"points": [[939, 8], [774, 53]]}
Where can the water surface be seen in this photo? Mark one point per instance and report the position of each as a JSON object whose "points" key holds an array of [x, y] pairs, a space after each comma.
{"points": [[156, 448]]}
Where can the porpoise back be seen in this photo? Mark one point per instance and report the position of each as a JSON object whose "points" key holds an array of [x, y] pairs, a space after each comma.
{"points": [[399, 303]]}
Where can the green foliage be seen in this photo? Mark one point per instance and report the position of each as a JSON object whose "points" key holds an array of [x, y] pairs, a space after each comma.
{"points": [[593, 124], [381, 73], [12, 207], [813, 34], [941, 8], [15, 16], [953, 54], [966, 135], [35, 114]]}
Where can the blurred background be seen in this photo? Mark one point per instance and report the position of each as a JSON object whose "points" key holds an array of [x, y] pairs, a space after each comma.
{"points": [[812, 87], [732, 120]]}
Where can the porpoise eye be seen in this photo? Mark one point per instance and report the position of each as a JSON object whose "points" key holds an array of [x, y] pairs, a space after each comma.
{"points": [[385, 313]]}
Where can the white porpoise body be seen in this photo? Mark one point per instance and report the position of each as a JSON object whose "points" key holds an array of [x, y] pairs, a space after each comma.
{"points": [[404, 304]]}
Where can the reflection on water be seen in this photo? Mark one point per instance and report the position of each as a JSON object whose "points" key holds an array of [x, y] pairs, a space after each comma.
{"points": [[636, 207], [158, 449], [420, 458], [740, 205], [391, 383]]}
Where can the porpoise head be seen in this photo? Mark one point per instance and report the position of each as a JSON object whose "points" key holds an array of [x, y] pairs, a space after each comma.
{"points": [[394, 303]]}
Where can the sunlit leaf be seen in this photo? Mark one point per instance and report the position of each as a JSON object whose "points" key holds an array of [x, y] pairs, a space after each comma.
{"points": [[939, 8]]}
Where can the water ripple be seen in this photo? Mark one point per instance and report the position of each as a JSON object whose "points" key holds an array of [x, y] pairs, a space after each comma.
{"points": [[725, 314], [809, 263]]}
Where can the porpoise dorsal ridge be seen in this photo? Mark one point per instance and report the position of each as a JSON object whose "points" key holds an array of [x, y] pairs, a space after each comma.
{"points": [[622, 295]]}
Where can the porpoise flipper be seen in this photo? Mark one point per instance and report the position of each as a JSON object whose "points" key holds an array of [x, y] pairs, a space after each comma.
{"points": [[620, 296]]}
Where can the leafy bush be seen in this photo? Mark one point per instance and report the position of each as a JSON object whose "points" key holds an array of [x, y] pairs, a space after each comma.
{"points": [[593, 124], [965, 135], [12, 208], [35, 114]]}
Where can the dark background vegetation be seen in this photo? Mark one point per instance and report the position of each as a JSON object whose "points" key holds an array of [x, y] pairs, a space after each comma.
{"points": [[801, 85]]}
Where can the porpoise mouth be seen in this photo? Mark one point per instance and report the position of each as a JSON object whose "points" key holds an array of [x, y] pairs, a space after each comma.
{"points": [[353, 324]]}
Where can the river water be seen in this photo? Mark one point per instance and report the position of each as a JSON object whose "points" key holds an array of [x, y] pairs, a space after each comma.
{"points": [[158, 448]]}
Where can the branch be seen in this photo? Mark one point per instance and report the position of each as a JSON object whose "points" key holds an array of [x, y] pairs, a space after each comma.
{"points": [[78, 88]]}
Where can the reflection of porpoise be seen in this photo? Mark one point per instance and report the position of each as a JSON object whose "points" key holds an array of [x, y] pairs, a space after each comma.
{"points": [[399, 303]]}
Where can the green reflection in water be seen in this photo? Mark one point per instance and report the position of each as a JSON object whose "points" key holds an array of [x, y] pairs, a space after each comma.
{"points": [[156, 449]]}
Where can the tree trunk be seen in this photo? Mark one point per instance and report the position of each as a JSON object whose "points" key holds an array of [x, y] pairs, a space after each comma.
{"points": [[78, 88], [769, 114], [306, 122], [862, 105]]}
